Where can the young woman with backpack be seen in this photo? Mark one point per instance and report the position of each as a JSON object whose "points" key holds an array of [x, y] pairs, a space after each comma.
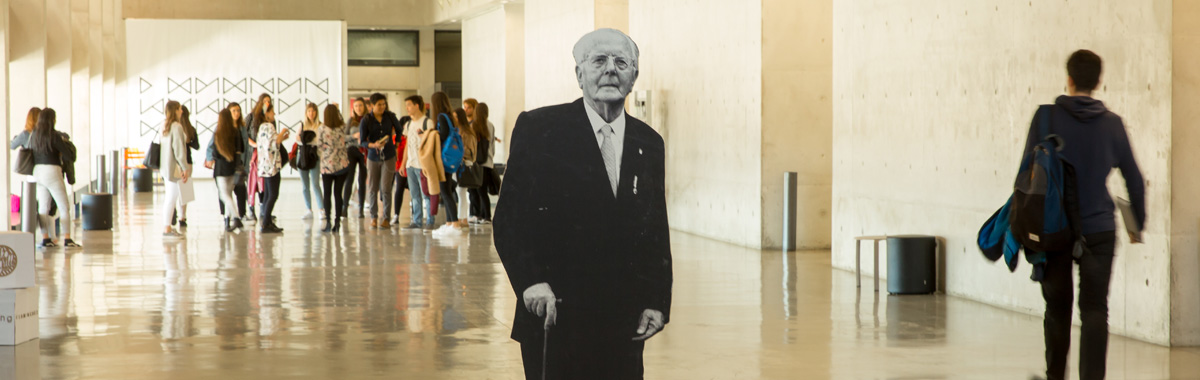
{"points": [[447, 125], [310, 177]]}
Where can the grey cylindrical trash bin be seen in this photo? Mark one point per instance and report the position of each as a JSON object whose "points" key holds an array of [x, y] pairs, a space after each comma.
{"points": [[143, 180], [97, 211], [912, 264]]}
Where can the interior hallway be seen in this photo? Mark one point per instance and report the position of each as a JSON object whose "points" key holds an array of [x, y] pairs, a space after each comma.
{"points": [[400, 304]]}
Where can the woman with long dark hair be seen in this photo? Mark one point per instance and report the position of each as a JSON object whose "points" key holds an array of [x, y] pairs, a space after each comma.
{"points": [[252, 125], [310, 178], [239, 188], [335, 165], [442, 114], [173, 164], [481, 203], [21, 141], [358, 160], [50, 152], [270, 160], [229, 146], [469, 148]]}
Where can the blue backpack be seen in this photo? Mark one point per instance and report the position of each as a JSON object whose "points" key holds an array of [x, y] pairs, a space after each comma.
{"points": [[452, 148], [1043, 213]]}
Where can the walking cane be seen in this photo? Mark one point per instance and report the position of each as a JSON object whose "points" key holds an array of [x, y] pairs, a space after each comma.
{"points": [[546, 340], [545, 343]]}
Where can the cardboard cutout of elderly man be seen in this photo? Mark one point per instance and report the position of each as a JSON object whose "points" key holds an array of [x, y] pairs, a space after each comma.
{"points": [[581, 225]]}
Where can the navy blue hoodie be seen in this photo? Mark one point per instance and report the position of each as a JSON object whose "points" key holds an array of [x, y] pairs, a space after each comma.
{"points": [[1096, 142]]}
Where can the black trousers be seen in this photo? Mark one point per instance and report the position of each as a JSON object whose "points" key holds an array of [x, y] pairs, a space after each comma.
{"points": [[449, 199], [400, 186], [270, 195], [582, 355], [239, 191], [335, 183], [481, 204], [358, 163], [1095, 271]]}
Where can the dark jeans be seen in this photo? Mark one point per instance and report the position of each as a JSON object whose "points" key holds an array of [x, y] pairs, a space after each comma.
{"points": [[581, 355], [239, 191], [1095, 271], [270, 195], [335, 183], [358, 163], [448, 202]]}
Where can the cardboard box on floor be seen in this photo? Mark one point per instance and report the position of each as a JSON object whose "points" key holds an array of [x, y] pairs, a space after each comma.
{"points": [[17, 260], [18, 316]]}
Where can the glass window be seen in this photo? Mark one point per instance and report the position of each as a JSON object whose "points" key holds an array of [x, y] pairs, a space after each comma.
{"points": [[383, 47]]}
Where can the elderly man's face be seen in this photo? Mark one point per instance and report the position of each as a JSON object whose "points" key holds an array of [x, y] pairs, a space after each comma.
{"points": [[607, 72]]}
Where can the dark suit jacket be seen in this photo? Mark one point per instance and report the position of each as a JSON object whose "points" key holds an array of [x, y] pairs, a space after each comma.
{"points": [[607, 258]]}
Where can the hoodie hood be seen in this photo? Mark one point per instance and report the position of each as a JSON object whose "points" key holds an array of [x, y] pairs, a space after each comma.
{"points": [[1083, 108]]}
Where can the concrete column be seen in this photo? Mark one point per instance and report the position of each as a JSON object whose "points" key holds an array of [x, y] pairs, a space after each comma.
{"points": [[1185, 209], [426, 55], [121, 99], [797, 117], [81, 85], [26, 62], [514, 65], [612, 14], [551, 29], [97, 133], [58, 63], [6, 176], [109, 44]]}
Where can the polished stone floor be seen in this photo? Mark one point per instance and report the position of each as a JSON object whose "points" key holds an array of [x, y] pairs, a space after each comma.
{"points": [[402, 305]]}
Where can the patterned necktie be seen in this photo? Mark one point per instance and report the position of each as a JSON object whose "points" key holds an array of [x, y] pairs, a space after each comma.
{"points": [[608, 150]]}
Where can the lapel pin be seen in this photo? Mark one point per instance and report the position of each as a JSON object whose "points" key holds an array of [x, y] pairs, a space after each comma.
{"points": [[639, 151]]}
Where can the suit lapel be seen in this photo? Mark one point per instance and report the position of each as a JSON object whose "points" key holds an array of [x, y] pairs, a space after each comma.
{"points": [[590, 162]]}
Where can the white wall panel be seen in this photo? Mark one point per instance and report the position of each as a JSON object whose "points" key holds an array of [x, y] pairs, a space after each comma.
{"points": [[190, 61]]}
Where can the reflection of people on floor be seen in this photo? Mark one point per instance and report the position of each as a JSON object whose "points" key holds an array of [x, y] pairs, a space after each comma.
{"points": [[596, 288]]}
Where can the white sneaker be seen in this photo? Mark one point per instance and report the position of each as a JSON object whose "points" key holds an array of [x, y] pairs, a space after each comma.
{"points": [[322, 213], [395, 219], [447, 230], [308, 215]]}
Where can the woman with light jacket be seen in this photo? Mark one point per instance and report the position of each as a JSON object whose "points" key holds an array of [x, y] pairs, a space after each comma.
{"points": [[173, 164]]}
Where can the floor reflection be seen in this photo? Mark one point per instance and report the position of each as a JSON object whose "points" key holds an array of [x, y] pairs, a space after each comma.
{"points": [[401, 304]]}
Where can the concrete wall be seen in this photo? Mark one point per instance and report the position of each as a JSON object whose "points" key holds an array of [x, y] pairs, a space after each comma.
{"points": [[707, 90], [493, 66], [932, 102], [797, 117], [1185, 209]]}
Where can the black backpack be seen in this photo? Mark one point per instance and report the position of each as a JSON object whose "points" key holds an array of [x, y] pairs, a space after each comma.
{"points": [[307, 158]]}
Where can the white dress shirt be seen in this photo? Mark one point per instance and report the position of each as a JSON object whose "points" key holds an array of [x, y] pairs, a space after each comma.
{"points": [[618, 127]]}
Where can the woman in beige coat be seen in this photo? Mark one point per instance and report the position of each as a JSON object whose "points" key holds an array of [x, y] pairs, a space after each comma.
{"points": [[173, 164]]}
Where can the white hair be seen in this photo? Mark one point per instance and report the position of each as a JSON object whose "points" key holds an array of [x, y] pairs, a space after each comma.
{"points": [[592, 38]]}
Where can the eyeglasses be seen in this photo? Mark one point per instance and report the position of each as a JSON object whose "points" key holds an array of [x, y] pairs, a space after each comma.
{"points": [[600, 61]]}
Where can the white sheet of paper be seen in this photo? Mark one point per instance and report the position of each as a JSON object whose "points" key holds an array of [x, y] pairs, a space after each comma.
{"points": [[1127, 217]]}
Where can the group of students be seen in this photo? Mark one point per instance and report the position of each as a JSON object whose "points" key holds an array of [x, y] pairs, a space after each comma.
{"points": [[53, 156], [247, 157]]}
